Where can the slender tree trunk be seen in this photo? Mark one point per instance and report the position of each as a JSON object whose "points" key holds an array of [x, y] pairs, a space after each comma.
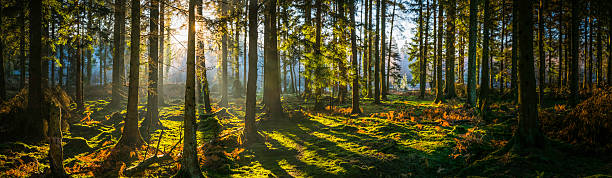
{"points": [[484, 81], [370, 50], [190, 165], [450, 48], [224, 56], [160, 78], [503, 54], [35, 124], [245, 57], [422, 65], [438, 63], [609, 47], [79, 67], [201, 63], [575, 36], [130, 137], [365, 59], [527, 133], [152, 119], [22, 63], [599, 78], [589, 58], [60, 70], [383, 49], [2, 72], [560, 43], [355, 107], [237, 89], [119, 45], [377, 77], [541, 54], [249, 121], [515, 47]]}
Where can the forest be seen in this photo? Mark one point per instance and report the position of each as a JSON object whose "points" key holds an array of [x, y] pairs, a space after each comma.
{"points": [[305, 88]]}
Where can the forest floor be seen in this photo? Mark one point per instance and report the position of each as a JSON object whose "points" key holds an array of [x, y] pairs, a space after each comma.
{"points": [[404, 136]]}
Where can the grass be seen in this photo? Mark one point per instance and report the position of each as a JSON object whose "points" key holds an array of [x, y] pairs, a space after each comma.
{"points": [[403, 136]]}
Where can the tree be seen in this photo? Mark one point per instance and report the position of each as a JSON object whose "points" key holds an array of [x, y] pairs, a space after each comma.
{"points": [[35, 90], [224, 55], [355, 87], [575, 37], [272, 62], [249, 121], [515, 47], [119, 38], [423, 63], [450, 50], [190, 165], [438, 63], [201, 64], [79, 64], [527, 134], [2, 76], [383, 49], [473, 30], [130, 136], [377, 77], [152, 118], [484, 78], [160, 79], [542, 65]]}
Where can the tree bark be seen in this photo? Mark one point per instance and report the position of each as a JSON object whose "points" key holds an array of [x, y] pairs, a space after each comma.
{"points": [[383, 49], [575, 36], [130, 136], [484, 81], [224, 56], [35, 125], [2, 72], [377, 77], [119, 45], [515, 47], [527, 133], [450, 48], [355, 108], [272, 64], [541, 54], [473, 30], [438, 63], [152, 119], [422, 59], [162, 26], [190, 165], [250, 128]]}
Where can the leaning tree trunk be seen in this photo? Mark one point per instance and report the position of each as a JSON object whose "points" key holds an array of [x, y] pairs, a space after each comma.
{"points": [[190, 166], [130, 137]]}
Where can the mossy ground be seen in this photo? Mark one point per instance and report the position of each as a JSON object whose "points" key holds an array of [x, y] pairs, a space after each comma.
{"points": [[403, 136]]}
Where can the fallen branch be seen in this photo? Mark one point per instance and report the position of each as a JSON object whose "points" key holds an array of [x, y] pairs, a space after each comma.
{"points": [[129, 172]]}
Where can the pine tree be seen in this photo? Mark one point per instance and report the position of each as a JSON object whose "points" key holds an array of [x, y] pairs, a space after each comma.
{"points": [[473, 30], [119, 46]]}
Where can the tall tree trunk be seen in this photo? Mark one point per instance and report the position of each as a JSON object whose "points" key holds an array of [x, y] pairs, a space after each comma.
{"points": [[249, 122], [515, 47], [560, 43], [377, 77], [450, 47], [152, 119], [119, 45], [60, 70], [22, 63], [589, 59], [527, 133], [422, 59], [364, 60], [236, 85], [79, 66], [484, 81], [224, 56], [541, 54], [201, 63], [2, 72], [599, 78], [35, 124], [160, 78], [130, 137], [473, 30], [190, 165], [272, 64], [609, 47], [355, 103], [383, 49], [438, 63], [503, 54], [575, 37], [245, 57], [370, 56]]}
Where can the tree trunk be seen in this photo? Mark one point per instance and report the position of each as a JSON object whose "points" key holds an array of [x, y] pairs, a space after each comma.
{"points": [[438, 63], [250, 128], [598, 45], [484, 81], [236, 85], [152, 119], [160, 78], [119, 45], [272, 64], [450, 48], [355, 108], [201, 63], [473, 30], [365, 58], [515, 47], [245, 57], [560, 43], [130, 136], [503, 54], [2, 72], [56, 157], [527, 133], [22, 72], [224, 55], [79, 67], [370, 56], [422, 59], [575, 37], [35, 125], [383, 49], [190, 165], [541, 54], [376, 75]]}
